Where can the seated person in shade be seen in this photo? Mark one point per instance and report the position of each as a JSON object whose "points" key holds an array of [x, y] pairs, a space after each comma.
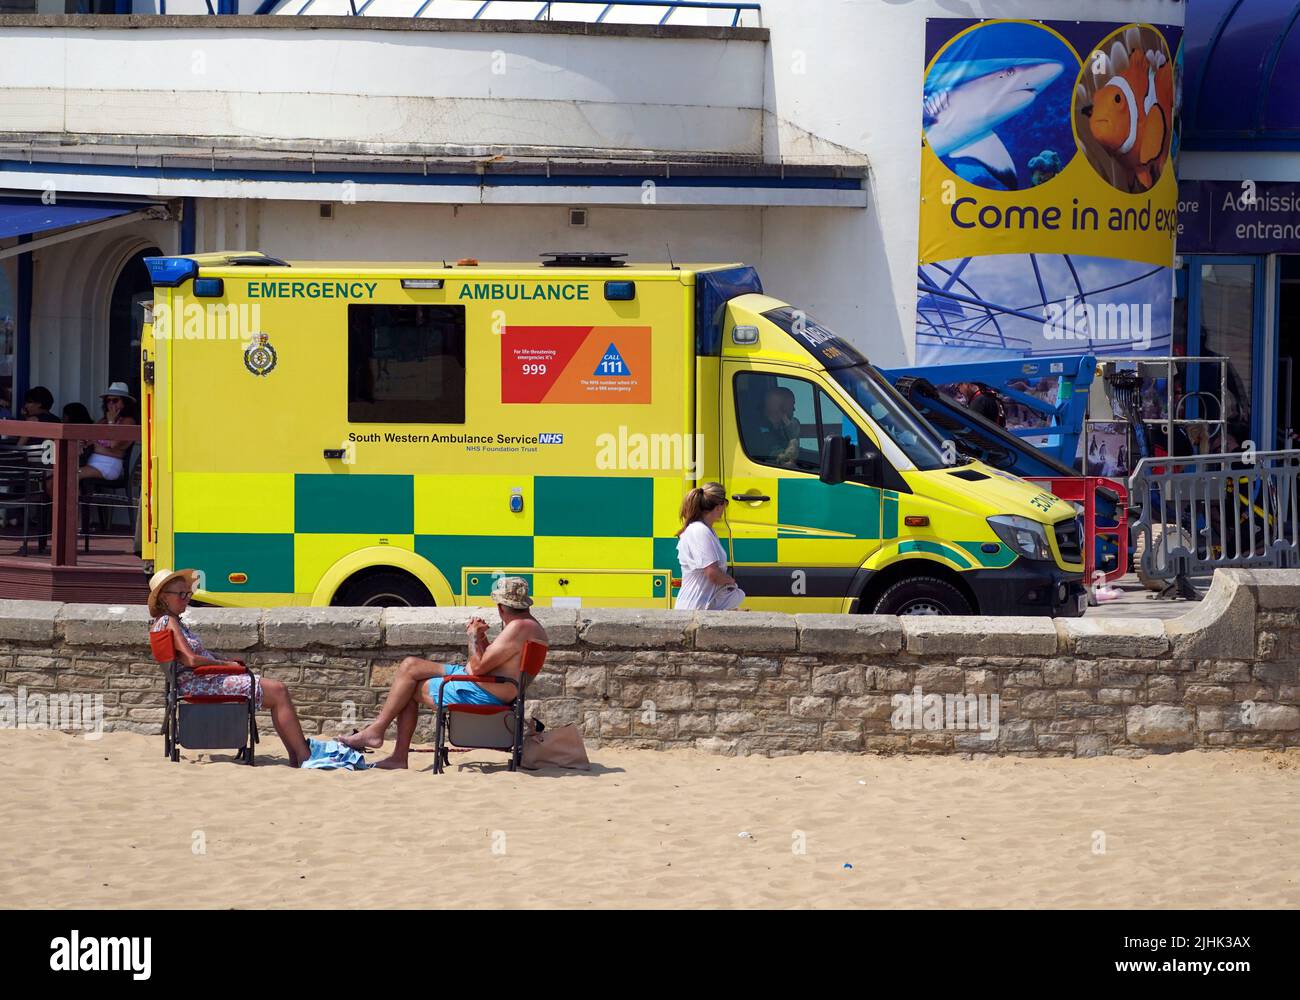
{"points": [[37, 404], [76, 413], [775, 439], [417, 681], [169, 596], [106, 456]]}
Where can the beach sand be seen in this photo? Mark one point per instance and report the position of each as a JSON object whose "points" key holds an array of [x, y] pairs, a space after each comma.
{"points": [[110, 823]]}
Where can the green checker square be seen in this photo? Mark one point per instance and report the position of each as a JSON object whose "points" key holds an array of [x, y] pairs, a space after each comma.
{"points": [[753, 550], [451, 553], [665, 557], [594, 506], [266, 558], [358, 505], [845, 507]]}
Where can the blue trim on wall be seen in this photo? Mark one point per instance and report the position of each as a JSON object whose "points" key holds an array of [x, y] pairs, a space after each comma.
{"points": [[189, 208], [23, 328], [634, 180]]}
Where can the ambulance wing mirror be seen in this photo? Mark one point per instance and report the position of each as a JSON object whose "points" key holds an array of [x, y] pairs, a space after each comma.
{"points": [[836, 465], [834, 449]]}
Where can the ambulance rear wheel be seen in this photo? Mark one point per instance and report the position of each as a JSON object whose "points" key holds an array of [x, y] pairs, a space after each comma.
{"points": [[384, 590], [922, 595]]}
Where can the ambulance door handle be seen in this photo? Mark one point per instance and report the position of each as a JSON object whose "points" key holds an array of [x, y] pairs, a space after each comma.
{"points": [[333, 453], [750, 497]]}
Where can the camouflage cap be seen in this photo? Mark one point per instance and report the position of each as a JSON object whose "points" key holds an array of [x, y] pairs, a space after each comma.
{"points": [[512, 591]]}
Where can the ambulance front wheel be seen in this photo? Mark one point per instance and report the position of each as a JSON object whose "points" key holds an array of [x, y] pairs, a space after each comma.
{"points": [[922, 595], [384, 589]]}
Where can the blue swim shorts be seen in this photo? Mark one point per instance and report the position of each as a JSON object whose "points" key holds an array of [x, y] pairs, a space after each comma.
{"points": [[460, 694]]}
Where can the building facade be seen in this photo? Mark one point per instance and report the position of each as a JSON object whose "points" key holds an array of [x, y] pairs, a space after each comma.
{"points": [[752, 132]]}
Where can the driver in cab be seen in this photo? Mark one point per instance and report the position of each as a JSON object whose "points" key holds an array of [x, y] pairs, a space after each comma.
{"points": [[776, 437]]}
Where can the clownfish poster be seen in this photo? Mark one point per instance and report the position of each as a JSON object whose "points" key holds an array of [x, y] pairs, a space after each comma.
{"points": [[1048, 198]]}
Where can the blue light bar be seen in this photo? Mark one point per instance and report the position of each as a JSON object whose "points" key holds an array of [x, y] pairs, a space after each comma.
{"points": [[168, 272], [620, 291]]}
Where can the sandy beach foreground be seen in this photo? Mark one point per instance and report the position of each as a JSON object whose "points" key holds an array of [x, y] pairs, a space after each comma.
{"points": [[110, 823]]}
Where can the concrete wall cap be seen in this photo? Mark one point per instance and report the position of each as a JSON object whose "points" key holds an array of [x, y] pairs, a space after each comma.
{"points": [[28, 621], [104, 624], [226, 628], [977, 635], [1221, 625], [1130, 637], [745, 630], [341, 628], [635, 627], [1273, 588], [832, 633], [428, 627]]}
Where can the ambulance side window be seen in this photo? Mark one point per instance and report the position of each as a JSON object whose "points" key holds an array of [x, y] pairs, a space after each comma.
{"points": [[406, 364], [783, 421]]}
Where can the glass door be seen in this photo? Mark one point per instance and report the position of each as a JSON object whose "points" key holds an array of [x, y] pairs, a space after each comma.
{"points": [[1226, 318]]}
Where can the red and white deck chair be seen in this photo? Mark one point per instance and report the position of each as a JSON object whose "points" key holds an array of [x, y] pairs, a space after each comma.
{"points": [[205, 722], [486, 727]]}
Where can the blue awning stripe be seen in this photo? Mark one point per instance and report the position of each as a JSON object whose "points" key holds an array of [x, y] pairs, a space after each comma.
{"points": [[790, 181], [27, 217]]}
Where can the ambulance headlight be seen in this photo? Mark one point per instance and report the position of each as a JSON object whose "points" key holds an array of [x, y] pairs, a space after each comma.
{"points": [[1021, 535]]}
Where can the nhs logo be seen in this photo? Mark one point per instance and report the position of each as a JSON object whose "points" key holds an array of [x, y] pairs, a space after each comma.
{"points": [[550, 439]]}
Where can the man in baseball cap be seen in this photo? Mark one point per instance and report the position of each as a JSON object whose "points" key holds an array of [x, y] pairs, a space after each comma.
{"points": [[419, 681]]}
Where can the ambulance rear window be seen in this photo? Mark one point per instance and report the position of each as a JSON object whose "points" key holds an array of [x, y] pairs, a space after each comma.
{"points": [[406, 364]]}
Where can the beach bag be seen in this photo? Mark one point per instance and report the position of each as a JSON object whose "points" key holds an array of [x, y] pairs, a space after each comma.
{"points": [[555, 748]]}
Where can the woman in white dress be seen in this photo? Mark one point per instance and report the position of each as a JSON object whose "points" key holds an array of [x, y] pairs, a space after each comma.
{"points": [[705, 583]]}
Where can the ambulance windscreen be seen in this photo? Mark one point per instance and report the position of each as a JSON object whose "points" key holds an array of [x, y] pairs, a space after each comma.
{"points": [[883, 403]]}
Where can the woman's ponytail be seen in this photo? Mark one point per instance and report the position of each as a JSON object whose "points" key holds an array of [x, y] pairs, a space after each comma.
{"points": [[700, 501]]}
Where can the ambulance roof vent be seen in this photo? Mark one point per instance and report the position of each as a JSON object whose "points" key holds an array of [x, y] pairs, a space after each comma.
{"points": [[553, 258], [255, 260]]}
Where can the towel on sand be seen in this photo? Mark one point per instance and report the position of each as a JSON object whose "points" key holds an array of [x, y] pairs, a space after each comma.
{"points": [[331, 755]]}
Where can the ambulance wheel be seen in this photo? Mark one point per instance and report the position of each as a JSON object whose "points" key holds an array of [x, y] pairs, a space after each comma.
{"points": [[922, 595], [384, 590]]}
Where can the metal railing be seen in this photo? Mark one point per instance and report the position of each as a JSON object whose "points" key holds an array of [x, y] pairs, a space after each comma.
{"points": [[541, 10], [1201, 512], [41, 500]]}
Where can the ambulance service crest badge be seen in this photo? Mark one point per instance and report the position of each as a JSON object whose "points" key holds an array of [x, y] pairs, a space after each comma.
{"points": [[259, 355]]}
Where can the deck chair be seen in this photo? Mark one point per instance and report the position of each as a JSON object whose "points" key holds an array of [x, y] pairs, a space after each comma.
{"points": [[486, 727], [204, 722]]}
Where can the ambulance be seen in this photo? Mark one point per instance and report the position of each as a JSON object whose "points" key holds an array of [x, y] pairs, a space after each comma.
{"points": [[404, 433]]}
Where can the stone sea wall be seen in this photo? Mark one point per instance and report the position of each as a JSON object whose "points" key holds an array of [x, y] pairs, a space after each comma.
{"points": [[1222, 675]]}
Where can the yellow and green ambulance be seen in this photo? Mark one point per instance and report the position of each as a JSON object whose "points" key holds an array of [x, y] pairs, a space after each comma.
{"points": [[402, 433]]}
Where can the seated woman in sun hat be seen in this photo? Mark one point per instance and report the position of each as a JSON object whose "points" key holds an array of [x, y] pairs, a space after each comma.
{"points": [[106, 457], [169, 596]]}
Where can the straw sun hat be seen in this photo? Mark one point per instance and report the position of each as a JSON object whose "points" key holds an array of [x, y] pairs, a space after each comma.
{"points": [[159, 581]]}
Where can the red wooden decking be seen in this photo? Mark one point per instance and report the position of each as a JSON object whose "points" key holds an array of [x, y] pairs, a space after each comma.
{"points": [[109, 572]]}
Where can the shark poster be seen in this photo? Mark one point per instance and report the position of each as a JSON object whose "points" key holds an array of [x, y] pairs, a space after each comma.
{"points": [[1048, 199]]}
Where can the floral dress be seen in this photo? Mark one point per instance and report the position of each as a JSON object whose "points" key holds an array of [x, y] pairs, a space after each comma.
{"points": [[188, 684]]}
